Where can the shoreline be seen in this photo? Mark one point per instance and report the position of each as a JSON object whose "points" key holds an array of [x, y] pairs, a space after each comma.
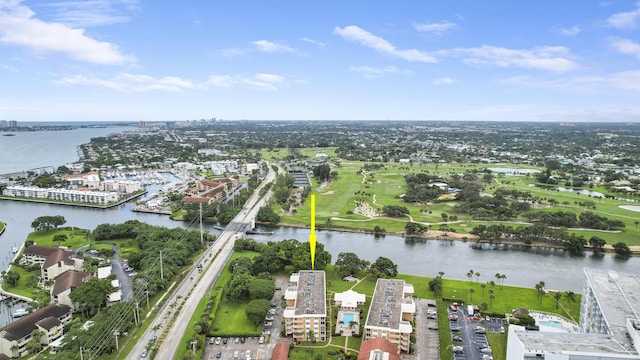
{"points": [[440, 235]]}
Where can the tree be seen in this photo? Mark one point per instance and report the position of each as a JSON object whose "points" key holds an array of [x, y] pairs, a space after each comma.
{"points": [[597, 244], [569, 296], [257, 309], [92, 294], [11, 277], [557, 296], [471, 291], [540, 290], [46, 223], [470, 275], [395, 210], [622, 250], [477, 276], [60, 238], [261, 289], [483, 286], [636, 223], [435, 285], [349, 263], [266, 214], [384, 267]]}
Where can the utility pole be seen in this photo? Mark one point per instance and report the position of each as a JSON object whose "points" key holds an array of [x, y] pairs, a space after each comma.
{"points": [[81, 353], [193, 345], [161, 272], [147, 292], [116, 333], [201, 233]]}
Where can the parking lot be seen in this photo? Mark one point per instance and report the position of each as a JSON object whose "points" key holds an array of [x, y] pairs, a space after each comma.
{"points": [[469, 334]]}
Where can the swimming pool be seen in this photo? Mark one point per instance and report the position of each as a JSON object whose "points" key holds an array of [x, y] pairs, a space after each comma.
{"points": [[551, 323], [347, 318]]}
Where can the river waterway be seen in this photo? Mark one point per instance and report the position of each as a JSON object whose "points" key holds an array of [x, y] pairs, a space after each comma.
{"points": [[523, 267]]}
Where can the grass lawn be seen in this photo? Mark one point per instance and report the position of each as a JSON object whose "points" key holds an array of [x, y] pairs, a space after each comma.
{"points": [[27, 284], [230, 318], [75, 238], [382, 187], [2, 225], [507, 298], [126, 246], [498, 343]]}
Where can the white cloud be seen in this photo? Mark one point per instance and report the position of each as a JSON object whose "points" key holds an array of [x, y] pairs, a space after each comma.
{"points": [[444, 81], [270, 46], [8, 68], [549, 58], [92, 12], [232, 52], [625, 46], [372, 73], [572, 31], [133, 83], [18, 26], [129, 83], [622, 83], [315, 42], [435, 28], [625, 20], [356, 34]]}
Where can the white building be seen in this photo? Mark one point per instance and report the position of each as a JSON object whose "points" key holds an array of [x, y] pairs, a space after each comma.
{"points": [[391, 313], [306, 310], [609, 318], [91, 197]]}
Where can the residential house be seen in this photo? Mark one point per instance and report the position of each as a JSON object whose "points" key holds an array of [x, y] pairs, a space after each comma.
{"points": [[378, 349], [36, 254]]}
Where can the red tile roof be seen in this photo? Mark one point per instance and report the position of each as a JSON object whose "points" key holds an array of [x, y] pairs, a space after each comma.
{"points": [[379, 344], [281, 351]]}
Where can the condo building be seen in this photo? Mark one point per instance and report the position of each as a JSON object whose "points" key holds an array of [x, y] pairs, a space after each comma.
{"points": [[306, 313], [391, 313]]}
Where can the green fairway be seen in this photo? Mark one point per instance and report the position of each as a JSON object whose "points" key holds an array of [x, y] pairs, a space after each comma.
{"points": [[385, 186], [75, 237]]}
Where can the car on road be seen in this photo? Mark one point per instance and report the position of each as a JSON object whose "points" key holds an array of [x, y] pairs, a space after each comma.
{"points": [[144, 353], [153, 340]]}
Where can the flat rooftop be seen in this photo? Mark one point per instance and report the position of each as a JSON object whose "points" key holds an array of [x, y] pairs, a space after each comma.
{"points": [[311, 296], [386, 305], [618, 295], [571, 343]]}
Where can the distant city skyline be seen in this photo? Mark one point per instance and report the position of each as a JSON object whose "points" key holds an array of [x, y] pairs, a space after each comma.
{"points": [[134, 60]]}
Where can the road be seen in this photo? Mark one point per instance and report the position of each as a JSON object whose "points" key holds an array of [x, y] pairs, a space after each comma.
{"points": [[196, 285]]}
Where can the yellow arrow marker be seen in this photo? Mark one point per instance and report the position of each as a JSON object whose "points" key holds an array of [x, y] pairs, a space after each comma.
{"points": [[312, 235]]}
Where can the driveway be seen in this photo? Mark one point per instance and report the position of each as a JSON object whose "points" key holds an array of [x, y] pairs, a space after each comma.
{"points": [[126, 286], [427, 345]]}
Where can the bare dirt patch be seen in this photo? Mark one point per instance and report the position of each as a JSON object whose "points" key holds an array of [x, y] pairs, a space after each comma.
{"points": [[330, 192]]}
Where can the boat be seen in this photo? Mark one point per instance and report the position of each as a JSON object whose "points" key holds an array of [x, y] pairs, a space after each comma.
{"points": [[8, 134], [20, 313]]}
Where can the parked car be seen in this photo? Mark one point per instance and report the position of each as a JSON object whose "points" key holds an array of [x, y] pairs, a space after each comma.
{"points": [[218, 354], [153, 340], [433, 327], [224, 340], [456, 338], [144, 353], [261, 340], [458, 349], [218, 340]]}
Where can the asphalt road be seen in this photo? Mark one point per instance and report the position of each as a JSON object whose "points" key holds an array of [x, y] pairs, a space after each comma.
{"points": [[186, 295]]}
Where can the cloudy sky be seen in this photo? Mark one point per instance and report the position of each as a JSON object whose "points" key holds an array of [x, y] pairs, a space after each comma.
{"points": [[544, 60]]}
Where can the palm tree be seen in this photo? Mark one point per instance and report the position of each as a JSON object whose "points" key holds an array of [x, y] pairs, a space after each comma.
{"points": [[636, 223], [470, 275], [483, 286], [503, 277], [477, 276], [14, 349], [540, 289], [569, 296], [491, 298], [471, 291], [557, 296], [497, 276]]}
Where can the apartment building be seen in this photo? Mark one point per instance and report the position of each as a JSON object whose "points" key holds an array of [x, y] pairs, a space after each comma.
{"points": [[50, 320], [391, 313], [306, 313]]}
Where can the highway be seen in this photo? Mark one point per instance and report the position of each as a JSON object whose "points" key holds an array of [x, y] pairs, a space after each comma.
{"points": [[196, 285]]}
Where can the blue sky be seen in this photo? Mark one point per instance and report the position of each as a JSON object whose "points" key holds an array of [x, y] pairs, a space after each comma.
{"points": [[102, 60]]}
